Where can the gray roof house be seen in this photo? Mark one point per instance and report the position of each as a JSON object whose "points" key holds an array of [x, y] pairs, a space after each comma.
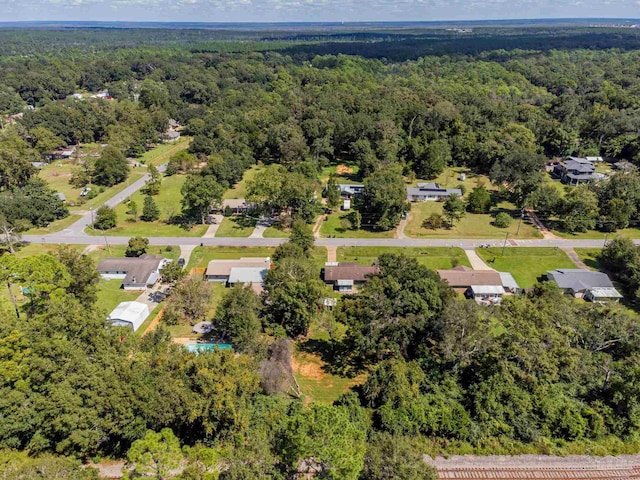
{"points": [[430, 192], [593, 286], [577, 171], [348, 191], [137, 273]]}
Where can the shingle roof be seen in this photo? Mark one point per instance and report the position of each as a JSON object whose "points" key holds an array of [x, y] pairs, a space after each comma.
{"points": [[465, 277], [348, 271], [138, 269], [222, 268], [578, 279]]}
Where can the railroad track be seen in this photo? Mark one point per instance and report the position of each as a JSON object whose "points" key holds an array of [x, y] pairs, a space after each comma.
{"points": [[516, 473]]}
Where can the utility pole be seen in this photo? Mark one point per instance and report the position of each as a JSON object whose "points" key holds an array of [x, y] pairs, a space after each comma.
{"points": [[92, 221], [107, 244], [505, 243]]}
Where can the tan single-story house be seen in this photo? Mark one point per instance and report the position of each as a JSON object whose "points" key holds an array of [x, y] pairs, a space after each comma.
{"points": [[220, 270], [346, 276]]}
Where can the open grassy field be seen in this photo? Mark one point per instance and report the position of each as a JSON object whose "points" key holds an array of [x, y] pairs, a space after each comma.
{"points": [[433, 257], [236, 226], [589, 256], [337, 225], [30, 249], [470, 226], [57, 175], [526, 264], [110, 295], [239, 190], [168, 202], [164, 151], [201, 256]]}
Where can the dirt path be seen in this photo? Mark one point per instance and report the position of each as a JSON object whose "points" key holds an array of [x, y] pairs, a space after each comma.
{"points": [[332, 254], [575, 258], [317, 225], [400, 230], [154, 323], [546, 233], [90, 248]]}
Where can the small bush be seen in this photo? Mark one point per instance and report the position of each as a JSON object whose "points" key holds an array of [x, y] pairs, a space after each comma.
{"points": [[434, 221], [503, 220]]}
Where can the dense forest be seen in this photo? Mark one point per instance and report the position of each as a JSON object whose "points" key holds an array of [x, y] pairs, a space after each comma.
{"points": [[540, 373]]}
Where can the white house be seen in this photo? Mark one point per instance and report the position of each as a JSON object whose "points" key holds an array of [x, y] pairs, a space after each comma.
{"points": [[137, 273], [129, 314], [425, 192], [220, 270]]}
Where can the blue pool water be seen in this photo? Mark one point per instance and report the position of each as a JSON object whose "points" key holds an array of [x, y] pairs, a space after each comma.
{"points": [[207, 347]]}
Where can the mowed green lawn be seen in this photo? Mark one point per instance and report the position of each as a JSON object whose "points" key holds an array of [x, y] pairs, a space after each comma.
{"points": [[275, 232], [102, 251], [433, 257], [239, 190], [596, 234], [526, 264], [110, 295], [236, 226], [589, 256], [168, 202], [164, 151], [470, 226], [451, 178], [56, 226], [334, 226], [201, 256]]}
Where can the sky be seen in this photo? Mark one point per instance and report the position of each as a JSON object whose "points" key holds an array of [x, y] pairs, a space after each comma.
{"points": [[312, 10]]}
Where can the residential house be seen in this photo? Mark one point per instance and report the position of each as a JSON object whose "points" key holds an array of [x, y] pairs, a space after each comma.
{"points": [[350, 191], [238, 206], [576, 171], [61, 153], [129, 314], [137, 273], [220, 270], [173, 124], [253, 277], [483, 286], [345, 277], [587, 284], [425, 192]]}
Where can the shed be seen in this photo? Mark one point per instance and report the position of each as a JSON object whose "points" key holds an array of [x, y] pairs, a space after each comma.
{"points": [[602, 294], [129, 314], [61, 196], [508, 282], [346, 205]]}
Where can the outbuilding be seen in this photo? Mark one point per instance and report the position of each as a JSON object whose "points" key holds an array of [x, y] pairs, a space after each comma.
{"points": [[129, 314]]}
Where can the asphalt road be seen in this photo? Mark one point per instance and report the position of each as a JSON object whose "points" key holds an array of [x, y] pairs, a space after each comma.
{"points": [[75, 235]]}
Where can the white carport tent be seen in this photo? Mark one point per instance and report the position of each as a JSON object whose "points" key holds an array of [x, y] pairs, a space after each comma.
{"points": [[129, 314]]}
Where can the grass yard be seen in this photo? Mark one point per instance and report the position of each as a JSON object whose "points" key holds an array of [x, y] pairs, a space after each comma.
{"points": [[526, 264], [596, 234], [31, 249], [110, 295], [239, 190], [102, 251], [433, 257], [471, 226], [168, 202], [164, 151], [589, 256], [345, 173], [56, 226], [450, 178], [201, 256], [337, 225], [236, 226], [276, 232], [317, 384]]}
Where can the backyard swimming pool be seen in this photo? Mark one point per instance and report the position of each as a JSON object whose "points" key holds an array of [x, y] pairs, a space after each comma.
{"points": [[207, 347]]}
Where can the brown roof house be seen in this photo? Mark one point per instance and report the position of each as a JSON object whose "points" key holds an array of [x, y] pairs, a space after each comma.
{"points": [[137, 273], [346, 276], [484, 286]]}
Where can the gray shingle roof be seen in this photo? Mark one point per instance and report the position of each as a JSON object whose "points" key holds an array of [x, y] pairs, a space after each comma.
{"points": [[578, 279]]}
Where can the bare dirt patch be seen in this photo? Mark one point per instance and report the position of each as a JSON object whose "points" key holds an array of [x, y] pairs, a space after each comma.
{"points": [[343, 170], [310, 367]]}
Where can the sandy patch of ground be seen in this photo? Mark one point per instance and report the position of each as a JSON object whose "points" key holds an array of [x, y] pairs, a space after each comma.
{"points": [[309, 367], [343, 169]]}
